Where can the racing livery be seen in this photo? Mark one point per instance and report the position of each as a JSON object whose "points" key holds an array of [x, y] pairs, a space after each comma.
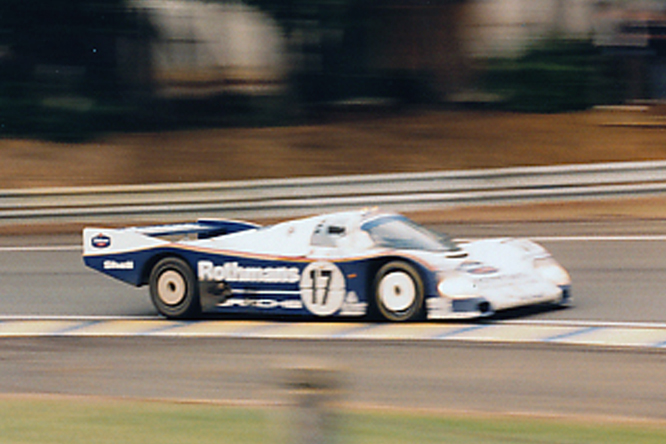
{"points": [[354, 263]]}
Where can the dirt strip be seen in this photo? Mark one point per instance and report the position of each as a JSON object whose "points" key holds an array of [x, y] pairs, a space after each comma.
{"points": [[601, 210], [363, 144], [430, 140]]}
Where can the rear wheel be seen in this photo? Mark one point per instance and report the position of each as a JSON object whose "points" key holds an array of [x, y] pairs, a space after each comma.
{"points": [[173, 289], [399, 292]]}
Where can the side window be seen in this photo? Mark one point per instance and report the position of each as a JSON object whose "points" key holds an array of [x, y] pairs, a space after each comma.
{"points": [[327, 235]]}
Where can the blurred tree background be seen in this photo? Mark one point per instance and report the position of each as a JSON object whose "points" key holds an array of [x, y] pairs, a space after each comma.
{"points": [[555, 75], [73, 68], [58, 66]]}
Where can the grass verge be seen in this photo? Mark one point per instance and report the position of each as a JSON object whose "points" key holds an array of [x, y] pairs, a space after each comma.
{"points": [[73, 421]]}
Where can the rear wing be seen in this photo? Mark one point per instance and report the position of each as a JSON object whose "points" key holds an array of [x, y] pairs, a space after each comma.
{"points": [[102, 241], [202, 229]]}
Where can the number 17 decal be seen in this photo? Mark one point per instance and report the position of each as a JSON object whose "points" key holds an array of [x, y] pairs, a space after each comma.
{"points": [[323, 288], [321, 285]]}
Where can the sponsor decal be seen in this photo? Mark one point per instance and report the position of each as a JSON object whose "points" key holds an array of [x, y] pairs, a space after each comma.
{"points": [[439, 308], [519, 279], [477, 268], [352, 306], [322, 287], [233, 272], [101, 241], [266, 304], [114, 265]]}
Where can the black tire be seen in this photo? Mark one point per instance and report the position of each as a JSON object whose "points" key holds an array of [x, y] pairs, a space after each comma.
{"points": [[398, 291], [174, 290]]}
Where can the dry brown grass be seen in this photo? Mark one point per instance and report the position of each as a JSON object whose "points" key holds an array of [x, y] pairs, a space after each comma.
{"points": [[424, 141]]}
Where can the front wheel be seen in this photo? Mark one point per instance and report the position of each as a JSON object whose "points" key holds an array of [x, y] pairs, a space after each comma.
{"points": [[399, 292], [173, 289]]}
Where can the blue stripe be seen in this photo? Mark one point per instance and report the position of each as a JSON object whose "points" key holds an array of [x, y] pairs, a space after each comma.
{"points": [[79, 326], [254, 331], [354, 330], [571, 334], [458, 331], [174, 325]]}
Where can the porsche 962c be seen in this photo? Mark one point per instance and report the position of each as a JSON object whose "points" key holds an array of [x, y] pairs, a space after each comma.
{"points": [[358, 263]]}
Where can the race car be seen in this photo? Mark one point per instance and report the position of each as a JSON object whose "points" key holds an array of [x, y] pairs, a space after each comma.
{"points": [[346, 264]]}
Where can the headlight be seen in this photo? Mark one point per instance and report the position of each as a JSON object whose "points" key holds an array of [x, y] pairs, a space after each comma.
{"points": [[549, 269], [457, 286]]}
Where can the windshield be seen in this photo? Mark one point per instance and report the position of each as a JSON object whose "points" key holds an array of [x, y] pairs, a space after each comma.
{"points": [[401, 233]]}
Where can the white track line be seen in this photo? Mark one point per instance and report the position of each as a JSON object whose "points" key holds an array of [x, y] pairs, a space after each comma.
{"points": [[536, 323], [82, 318], [632, 238], [583, 323], [636, 238], [40, 249]]}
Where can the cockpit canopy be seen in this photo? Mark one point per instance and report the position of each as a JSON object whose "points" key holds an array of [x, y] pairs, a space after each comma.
{"points": [[398, 232], [384, 231]]}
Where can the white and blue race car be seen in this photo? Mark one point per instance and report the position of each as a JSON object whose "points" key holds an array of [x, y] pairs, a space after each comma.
{"points": [[343, 264]]}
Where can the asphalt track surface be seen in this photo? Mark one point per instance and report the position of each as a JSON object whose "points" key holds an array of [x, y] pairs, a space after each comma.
{"points": [[436, 376], [617, 271], [618, 274]]}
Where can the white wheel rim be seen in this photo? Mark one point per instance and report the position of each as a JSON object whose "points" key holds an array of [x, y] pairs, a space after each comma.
{"points": [[397, 291], [171, 287]]}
